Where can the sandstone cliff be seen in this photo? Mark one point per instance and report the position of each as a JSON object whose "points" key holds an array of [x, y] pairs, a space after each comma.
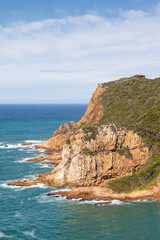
{"points": [[95, 154]]}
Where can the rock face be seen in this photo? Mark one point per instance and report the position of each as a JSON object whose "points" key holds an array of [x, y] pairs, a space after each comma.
{"points": [[94, 111], [156, 191], [59, 137], [95, 154]]}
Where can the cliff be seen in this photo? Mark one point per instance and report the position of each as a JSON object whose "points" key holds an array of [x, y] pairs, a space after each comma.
{"points": [[89, 160], [115, 144]]}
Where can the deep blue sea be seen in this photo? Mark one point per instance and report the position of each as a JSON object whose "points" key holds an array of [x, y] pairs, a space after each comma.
{"points": [[27, 213]]}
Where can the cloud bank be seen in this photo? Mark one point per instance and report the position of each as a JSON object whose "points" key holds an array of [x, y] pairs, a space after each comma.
{"points": [[52, 57]]}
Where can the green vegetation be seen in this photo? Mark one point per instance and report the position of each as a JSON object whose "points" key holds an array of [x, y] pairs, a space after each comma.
{"points": [[68, 141], [87, 151], [142, 180], [135, 104], [90, 132], [125, 152]]}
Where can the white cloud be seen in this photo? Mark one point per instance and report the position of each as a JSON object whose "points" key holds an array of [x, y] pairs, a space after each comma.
{"points": [[109, 48]]}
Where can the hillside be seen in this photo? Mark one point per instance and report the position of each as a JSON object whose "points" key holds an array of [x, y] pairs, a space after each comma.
{"points": [[135, 104]]}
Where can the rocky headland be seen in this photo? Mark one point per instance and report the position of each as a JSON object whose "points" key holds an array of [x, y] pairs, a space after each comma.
{"points": [[113, 151]]}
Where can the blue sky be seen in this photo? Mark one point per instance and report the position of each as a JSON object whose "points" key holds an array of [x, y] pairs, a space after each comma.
{"points": [[56, 51]]}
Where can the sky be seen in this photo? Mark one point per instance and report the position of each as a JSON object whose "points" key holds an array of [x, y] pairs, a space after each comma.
{"points": [[57, 51]]}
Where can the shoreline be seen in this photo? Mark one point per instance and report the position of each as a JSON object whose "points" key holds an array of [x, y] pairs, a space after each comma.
{"points": [[86, 193], [98, 193]]}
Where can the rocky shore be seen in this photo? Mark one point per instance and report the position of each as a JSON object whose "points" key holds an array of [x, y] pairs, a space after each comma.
{"points": [[99, 193], [89, 154]]}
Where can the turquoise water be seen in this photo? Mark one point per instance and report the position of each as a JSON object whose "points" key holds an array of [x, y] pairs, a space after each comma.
{"points": [[27, 213]]}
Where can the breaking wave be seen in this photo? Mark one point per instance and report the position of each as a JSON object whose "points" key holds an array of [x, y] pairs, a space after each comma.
{"points": [[30, 233], [20, 145], [19, 188], [6, 146], [2, 235], [22, 160]]}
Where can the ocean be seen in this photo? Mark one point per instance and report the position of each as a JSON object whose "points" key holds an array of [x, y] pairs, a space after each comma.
{"points": [[27, 213]]}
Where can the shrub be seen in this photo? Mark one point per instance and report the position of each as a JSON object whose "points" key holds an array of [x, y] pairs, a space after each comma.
{"points": [[68, 141]]}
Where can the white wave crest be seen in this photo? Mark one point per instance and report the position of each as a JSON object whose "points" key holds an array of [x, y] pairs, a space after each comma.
{"points": [[6, 146], [47, 199], [44, 166], [30, 176], [4, 185], [116, 202], [18, 215], [22, 160], [55, 189], [143, 201], [89, 201], [30, 233], [40, 185], [20, 188], [20, 145], [2, 235]]}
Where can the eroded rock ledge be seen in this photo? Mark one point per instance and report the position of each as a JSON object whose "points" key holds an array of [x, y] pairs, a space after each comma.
{"points": [[99, 193]]}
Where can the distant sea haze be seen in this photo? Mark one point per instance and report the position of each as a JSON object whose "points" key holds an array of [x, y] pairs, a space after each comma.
{"points": [[42, 111]]}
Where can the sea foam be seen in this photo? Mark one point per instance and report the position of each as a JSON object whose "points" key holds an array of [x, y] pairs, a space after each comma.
{"points": [[6, 146], [22, 160], [30, 233], [20, 145], [2, 235]]}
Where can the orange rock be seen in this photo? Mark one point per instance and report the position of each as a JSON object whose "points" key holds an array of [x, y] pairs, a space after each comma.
{"points": [[60, 136], [23, 182], [38, 159], [156, 191], [93, 111], [52, 162], [114, 152], [27, 143], [98, 193]]}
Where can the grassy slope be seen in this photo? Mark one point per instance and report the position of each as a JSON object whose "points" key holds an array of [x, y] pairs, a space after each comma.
{"points": [[135, 104]]}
